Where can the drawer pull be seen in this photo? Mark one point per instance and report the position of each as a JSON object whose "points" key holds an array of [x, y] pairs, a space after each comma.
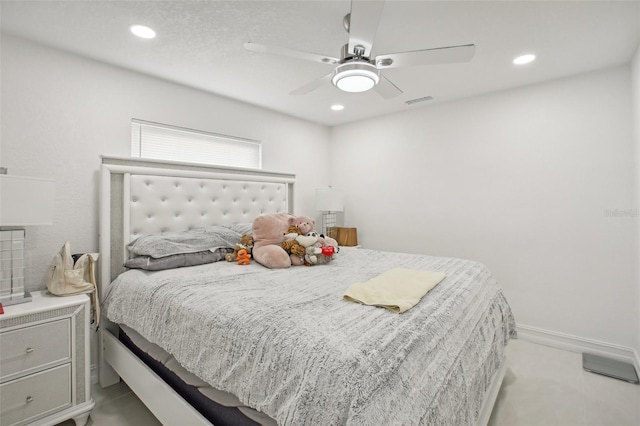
{"points": [[29, 350], [29, 399]]}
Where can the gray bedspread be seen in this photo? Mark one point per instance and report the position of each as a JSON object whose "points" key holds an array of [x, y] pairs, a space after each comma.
{"points": [[286, 343]]}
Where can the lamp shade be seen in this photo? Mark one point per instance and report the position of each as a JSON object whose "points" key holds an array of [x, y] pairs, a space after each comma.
{"points": [[329, 200], [26, 201]]}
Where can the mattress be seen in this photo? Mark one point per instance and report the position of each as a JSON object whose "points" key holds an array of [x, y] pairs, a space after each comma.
{"points": [[220, 408], [286, 343]]}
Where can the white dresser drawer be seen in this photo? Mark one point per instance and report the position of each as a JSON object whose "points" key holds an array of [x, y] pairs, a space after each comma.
{"points": [[36, 347], [34, 396], [44, 361]]}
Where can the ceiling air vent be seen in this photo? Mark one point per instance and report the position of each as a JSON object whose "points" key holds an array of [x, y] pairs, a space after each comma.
{"points": [[418, 100]]}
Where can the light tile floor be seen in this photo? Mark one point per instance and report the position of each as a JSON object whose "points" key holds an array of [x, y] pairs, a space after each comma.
{"points": [[543, 386]]}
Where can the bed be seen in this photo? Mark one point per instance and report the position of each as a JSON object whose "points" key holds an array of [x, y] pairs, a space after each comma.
{"points": [[282, 346]]}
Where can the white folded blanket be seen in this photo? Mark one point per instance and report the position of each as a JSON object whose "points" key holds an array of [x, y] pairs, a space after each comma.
{"points": [[397, 289]]}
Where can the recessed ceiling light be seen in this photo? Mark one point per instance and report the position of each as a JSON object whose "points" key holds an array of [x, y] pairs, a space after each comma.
{"points": [[337, 107], [142, 31], [524, 59]]}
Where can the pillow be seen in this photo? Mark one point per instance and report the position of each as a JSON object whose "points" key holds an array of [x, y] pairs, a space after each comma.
{"points": [[149, 263], [242, 228], [191, 241]]}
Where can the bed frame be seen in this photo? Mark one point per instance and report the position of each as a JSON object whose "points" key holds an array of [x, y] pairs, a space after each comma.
{"points": [[143, 197]]}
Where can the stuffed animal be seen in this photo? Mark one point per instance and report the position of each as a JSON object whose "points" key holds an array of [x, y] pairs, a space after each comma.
{"points": [[311, 256], [319, 252], [245, 243], [243, 257], [329, 242], [307, 238], [295, 242], [325, 255], [292, 232], [293, 248], [304, 224], [268, 235]]}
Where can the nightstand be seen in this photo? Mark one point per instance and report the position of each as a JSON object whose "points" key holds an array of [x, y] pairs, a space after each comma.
{"points": [[44, 361], [347, 236]]}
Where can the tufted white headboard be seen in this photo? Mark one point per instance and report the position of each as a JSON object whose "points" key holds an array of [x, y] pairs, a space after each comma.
{"points": [[143, 197], [174, 203]]}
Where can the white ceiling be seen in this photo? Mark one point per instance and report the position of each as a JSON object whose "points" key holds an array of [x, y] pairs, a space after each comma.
{"points": [[200, 44]]}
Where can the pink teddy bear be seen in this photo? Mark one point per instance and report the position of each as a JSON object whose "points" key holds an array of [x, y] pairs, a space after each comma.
{"points": [[268, 234]]}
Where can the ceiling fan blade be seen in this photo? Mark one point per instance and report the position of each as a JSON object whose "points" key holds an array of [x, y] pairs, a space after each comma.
{"points": [[386, 88], [283, 51], [440, 55], [363, 24], [313, 85]]}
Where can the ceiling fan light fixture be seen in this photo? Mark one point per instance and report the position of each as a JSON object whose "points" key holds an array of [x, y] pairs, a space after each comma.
{"points": [[355, 77]]}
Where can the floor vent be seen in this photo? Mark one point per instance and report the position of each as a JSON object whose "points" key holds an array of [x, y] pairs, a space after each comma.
{"points": [[610, 367], [418, 100]]}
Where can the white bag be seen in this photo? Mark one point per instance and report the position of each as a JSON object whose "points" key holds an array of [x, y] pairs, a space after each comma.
{"points": [[67, 277]]}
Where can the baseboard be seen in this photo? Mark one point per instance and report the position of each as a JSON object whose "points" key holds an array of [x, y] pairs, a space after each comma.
{"points": [[578, 344]]}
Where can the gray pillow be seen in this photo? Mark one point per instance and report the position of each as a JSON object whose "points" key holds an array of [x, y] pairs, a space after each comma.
{"points": [[192, 241], [242, 228], [149, 263]]}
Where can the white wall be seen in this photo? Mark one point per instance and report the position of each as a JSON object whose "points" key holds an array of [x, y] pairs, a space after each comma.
{"points": [[520, 180], [635, 70], [60, 112]]}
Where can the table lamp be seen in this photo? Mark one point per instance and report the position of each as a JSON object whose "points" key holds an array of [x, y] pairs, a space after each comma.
{"points": [[24, 201], [329, 201]]}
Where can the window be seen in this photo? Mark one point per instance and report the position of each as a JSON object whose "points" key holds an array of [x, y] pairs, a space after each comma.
{"points": [[164, 142]]}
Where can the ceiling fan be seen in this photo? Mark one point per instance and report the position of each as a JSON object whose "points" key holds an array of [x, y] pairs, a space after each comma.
{"points": [[356, 70]]}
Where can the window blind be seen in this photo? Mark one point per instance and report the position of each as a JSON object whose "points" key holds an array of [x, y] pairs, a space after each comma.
{"points": [[165, 142]]}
